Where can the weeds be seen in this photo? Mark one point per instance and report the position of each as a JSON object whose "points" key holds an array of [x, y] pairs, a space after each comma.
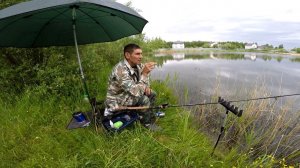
{"points": [[266, 132]]}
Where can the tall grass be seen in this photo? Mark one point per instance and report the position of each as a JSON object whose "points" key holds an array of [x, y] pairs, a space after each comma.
{"points": [[33, 134], [268, 131]]}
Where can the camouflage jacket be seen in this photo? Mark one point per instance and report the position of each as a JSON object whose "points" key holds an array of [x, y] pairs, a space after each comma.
{"points": [[124, 88]]}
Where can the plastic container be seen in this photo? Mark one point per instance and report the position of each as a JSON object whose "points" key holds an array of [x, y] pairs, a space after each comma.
{"points": [[79, 116], [120, 121], [160, 114]]}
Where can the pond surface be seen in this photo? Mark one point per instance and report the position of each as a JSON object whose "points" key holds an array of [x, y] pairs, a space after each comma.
{"points": [[231, 75]]}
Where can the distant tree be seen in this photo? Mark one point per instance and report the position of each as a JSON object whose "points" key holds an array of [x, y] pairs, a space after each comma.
{"points": [[215, 46], [157, 43], [297, 50], [229, 45], [206, 45], [280, 46], [269, 46], [7, 3], [195, 44]]}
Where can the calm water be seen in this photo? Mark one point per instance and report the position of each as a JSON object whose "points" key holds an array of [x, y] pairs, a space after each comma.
{"points": [[231, 75]]}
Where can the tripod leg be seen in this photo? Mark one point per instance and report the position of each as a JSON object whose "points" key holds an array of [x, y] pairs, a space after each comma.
{"points": [[93, 103], [221, 132], [95, 121]]}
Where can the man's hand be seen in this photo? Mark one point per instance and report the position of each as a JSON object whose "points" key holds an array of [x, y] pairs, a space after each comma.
{"points": [[147, 91], [149, 66]]}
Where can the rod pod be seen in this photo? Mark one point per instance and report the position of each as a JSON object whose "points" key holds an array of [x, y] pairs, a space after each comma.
{"points": [[228, 107]]}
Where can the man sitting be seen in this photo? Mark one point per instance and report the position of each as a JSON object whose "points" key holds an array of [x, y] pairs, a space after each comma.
{"points": [[129, 85]]}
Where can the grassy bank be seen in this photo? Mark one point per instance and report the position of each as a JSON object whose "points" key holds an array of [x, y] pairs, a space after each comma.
{"points": [[33, 134]]}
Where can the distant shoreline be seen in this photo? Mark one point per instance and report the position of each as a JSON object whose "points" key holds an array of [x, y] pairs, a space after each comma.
{"points": [[170, 51]]}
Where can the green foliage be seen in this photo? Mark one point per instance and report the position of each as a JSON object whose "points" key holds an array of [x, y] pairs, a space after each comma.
{"points": [[268, 46], [55, 70], [207, 45], [296, 49], [43, 70], [231, 45], [19, 66], [196, 44], [156, 43], [281, 50], [7, 3]]}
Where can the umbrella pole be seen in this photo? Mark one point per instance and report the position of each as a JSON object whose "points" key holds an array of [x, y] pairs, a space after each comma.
{"points": [[85, 89]]}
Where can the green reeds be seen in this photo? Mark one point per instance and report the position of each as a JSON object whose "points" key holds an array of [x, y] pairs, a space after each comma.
{"points": [[267, 133]]}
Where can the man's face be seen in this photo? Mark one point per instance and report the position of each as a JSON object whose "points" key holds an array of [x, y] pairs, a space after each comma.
{"points": [[135, 57]]}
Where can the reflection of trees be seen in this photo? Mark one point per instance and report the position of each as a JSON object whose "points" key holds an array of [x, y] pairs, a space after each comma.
{"points": [[295, 59], [266, 58], [230, 56], [163, 59], [197, 57], [279, 59]]}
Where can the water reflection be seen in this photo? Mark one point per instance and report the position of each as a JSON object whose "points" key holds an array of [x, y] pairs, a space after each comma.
{"points": [[295, 59], [251, 56], [178, 56], [232, 75]]}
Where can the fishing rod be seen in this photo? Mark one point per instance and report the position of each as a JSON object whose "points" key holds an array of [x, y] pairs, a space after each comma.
{"points": [[226, 104], [220, 101]]}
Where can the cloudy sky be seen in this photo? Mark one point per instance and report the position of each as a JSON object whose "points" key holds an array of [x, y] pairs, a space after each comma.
{"points": [[263, 21]]}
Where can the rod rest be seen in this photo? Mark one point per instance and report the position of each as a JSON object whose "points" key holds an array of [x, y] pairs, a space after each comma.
{"points": [[229, 107]]}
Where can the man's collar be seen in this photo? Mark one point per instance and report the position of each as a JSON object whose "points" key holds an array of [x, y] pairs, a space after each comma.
{"points": [[129, 67]]}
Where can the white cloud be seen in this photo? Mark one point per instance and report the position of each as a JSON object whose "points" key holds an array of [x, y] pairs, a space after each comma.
{"points": [[219, 20]]}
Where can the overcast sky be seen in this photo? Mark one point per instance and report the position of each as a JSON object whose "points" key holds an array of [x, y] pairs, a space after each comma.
{"points": [[263, 21]]}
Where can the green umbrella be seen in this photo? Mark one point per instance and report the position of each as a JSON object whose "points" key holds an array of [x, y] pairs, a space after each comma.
{"points": [[43, 23]]}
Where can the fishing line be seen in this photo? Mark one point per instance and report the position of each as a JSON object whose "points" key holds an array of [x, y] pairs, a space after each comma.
{"points": [[232, 101], [269, 97]]}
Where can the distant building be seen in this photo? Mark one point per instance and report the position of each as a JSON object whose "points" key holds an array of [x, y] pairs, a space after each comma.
{"points": [[251, 46], [178, 45]]}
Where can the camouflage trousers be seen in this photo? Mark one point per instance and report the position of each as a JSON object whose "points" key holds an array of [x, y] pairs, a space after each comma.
{"points": [[147, 116]]}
